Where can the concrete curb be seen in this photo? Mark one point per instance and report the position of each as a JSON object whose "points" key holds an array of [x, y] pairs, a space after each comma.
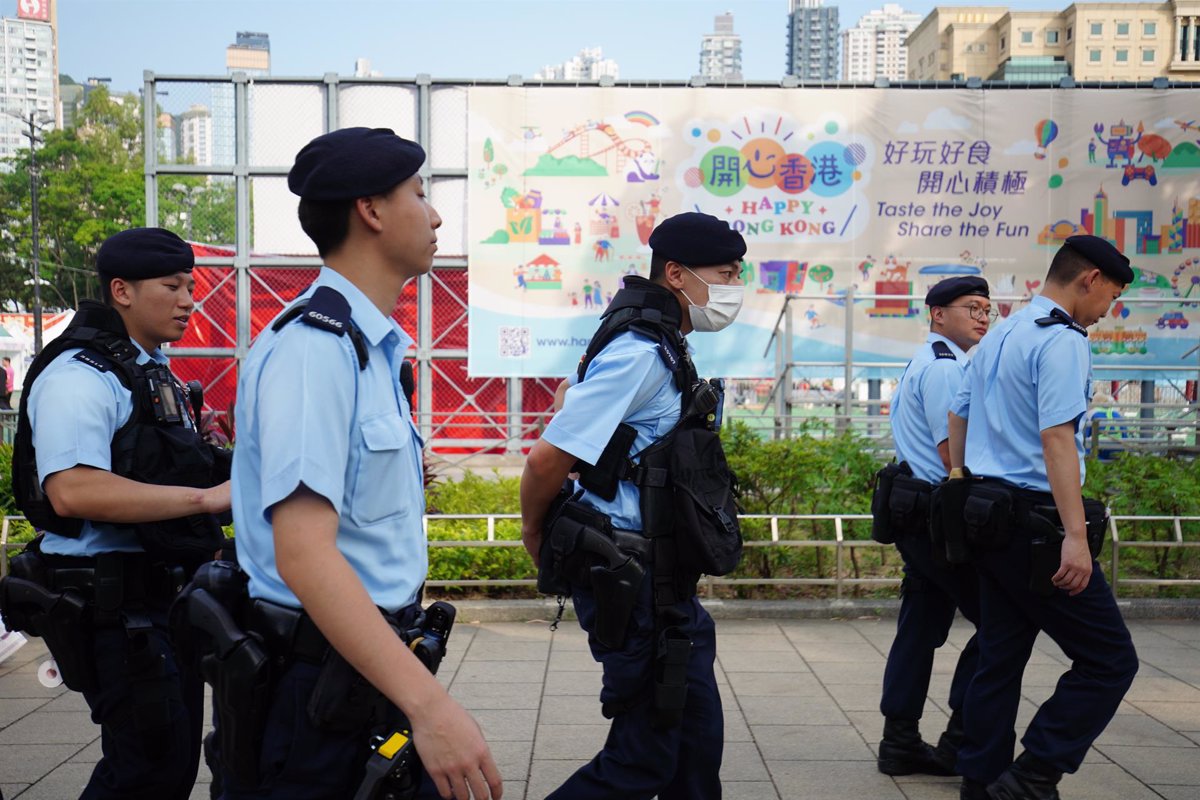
{"points": [[545, 610]]}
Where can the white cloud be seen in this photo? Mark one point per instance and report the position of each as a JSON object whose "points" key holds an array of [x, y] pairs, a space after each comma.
{"points": [[908, 127], [943, 119], [1022, 147], [1165, 122]]}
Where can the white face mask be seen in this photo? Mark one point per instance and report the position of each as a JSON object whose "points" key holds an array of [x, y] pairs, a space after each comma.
{"points": [[724, 303]]}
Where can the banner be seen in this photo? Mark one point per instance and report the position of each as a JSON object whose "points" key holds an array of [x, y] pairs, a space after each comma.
{"points": [[884, 190]]}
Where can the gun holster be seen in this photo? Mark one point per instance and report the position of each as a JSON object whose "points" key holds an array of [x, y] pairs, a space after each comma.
{"points": [[208, 636], [582, 552], [62, 619]]}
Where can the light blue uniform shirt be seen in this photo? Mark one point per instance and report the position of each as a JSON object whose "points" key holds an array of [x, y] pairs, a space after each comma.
{"points": [[74, 411], [920, 404], [1023, 379], [307, 415], [626, 382]]}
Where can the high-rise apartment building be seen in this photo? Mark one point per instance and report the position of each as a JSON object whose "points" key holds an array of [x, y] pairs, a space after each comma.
{"points": [[28, 80], [812, 45], [165, 141], [874, 48], [721, 51], [589, 65], [251, 54], [1088, 41], [196, 135]]}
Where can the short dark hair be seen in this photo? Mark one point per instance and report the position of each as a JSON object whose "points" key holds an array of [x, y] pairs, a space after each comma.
{"points": [[106, 291], [1067, 265], [327, 222], [658, 267]]}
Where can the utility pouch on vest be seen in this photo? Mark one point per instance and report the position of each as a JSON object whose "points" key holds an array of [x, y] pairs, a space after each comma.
{"points": [[670, 677], [605, 476], [988, 515], [708, 536], [947, 526], [551, 555]]}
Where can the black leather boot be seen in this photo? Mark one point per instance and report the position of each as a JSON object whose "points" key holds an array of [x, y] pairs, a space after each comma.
{"points": [[946, 752], [1028, 778], [903, 752], [972, 790]]}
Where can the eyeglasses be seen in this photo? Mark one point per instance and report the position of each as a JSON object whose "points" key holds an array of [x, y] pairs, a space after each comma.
{"points": [[978, 313]]}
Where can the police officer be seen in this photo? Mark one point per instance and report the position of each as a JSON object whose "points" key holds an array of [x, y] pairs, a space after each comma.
{"points": [[1016, 424], [960, 311], [329, 499], [695, 284], [101, 398]]}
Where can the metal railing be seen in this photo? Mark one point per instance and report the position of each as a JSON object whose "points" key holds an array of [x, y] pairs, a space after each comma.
{"points": [[776, 525]]}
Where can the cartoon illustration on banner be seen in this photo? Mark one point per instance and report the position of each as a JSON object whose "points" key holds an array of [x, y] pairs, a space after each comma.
{"points": [[882, 192]]}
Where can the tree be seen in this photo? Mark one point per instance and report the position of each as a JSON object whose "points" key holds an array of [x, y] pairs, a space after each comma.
{"points": [[90, 186]]}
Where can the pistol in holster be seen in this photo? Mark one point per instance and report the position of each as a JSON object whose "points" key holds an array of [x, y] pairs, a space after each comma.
{"points": [[1045, 547], [209, 637], [578, 550], [62, 617]]}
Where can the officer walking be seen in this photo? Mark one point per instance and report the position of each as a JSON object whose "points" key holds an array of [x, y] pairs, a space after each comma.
{"points": [[667, 728], [109, 465], [330, 498], [1016, 424], [960, 311]]}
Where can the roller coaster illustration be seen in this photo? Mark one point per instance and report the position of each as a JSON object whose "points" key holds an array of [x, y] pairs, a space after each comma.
{"points": [[638, 153]]}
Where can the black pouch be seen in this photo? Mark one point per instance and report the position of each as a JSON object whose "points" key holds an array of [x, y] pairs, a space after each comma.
{"points": [[343, 700], [881, 517], [947, 525], [1095, 518], [988, 516], [551, 576], [708, 536], [909, 506]]}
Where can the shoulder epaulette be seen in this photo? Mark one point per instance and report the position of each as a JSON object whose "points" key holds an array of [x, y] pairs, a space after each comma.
{"points": [[1060, 317], [329, 311], [942, 350], [92, 360]]}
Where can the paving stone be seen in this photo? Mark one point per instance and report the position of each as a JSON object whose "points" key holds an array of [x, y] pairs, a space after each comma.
{"points": [[14, 709], [766, 684], [1171, 765], [546, 775], [791, 711], [1162, 689], [832, 779], [841, 652], [579, 742], [811, 743], [747, 790], [492, 672], [476, 695], [67, 727], [753, 642], [928, 787], [29, 763], [1140, 730], [1177, 792], [65, 781], [12, 789], [506, 725], [761, 662], [571, 710], [585, 683], [837, 672], [521, 650], [573, 661], [824, 631], [1105, 782], [512, 758], [742, 761]]}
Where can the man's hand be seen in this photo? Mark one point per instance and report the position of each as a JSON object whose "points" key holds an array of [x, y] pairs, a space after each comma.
{"points": [[1075, 569], [454, 753], [532, 539]]}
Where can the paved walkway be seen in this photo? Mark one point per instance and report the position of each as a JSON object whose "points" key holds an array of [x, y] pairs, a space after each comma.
{"points": [[800, 699]]}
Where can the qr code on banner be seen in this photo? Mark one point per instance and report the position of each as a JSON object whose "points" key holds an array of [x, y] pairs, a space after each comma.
{"points": [[514, 342]]}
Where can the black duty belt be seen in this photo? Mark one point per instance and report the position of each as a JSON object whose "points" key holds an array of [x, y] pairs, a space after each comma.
{"points": [[156, 582], [288, 633]]}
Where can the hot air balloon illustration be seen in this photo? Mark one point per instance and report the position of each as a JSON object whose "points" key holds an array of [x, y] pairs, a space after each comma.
{"points": [[1044, 131]]}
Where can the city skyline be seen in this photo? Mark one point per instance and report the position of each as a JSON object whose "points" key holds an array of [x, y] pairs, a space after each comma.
{"points": [[120, 39]]}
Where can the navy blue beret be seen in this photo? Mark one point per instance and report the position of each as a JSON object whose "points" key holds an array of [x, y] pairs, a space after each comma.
{"points": [[697, 240], [1103, 256], [140, 253], [944, 292], [353, 162]]}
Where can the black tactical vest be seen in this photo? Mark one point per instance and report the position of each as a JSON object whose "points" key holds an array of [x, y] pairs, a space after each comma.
{"points": [[159, 444]]}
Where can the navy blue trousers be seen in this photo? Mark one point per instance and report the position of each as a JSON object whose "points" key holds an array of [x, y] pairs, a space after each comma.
{"points": [[638, 761], [931, 593], [131, 768], [1089, 629]]}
